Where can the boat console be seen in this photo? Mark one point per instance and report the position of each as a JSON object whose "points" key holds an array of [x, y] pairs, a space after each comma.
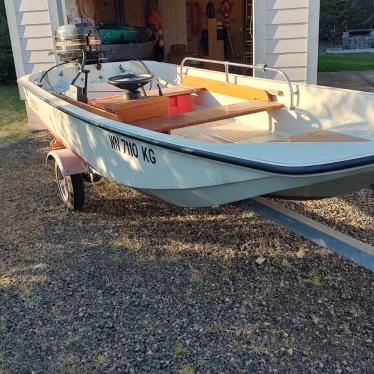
{"points": [[131, 83]]}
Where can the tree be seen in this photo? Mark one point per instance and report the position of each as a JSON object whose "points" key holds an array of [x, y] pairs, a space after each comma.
{"points": [[7, 71], [338, 16]]}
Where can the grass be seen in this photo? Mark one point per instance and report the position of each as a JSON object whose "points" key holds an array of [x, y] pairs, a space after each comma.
{"points": [[3, 327], [187, 370], [69, 365], [316, 320], [125, 242], [13, 119], [316, 281], [180, 350], [71, 339], [345, 62], [100, 361], [259, 350], [11, 135], [356, 313]]}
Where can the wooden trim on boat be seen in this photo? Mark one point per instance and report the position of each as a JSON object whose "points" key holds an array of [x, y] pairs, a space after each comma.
{"points": [[129, 111], [229, 89], [207, 115], [176, 90], [87, 107]]}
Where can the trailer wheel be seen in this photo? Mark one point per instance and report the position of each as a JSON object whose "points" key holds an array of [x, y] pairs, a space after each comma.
{"points": [[92, 178], [71, 189]]}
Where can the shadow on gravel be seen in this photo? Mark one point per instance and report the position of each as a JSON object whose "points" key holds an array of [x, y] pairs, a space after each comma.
{"points": [[134, 285]]}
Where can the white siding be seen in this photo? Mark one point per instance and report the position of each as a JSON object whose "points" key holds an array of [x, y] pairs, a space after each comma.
{"points": [[31, 28], [286, 36]]}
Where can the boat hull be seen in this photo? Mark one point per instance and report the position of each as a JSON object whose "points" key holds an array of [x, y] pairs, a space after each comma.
{"points": [[337, 187], [179, 178], [193, 173]]}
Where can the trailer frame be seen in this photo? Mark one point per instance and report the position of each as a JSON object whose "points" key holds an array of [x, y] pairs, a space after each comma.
{"points": [[356, 251]]}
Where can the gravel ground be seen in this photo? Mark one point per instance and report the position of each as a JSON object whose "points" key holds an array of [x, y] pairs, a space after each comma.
{"points": [[133, 285]]}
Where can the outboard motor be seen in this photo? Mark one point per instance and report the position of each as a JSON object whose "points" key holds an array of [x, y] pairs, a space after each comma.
{"points": [[79, 43]]}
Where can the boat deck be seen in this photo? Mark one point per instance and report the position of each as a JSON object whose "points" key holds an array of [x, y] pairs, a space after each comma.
{"points": [[231, 131], [213, 124]]}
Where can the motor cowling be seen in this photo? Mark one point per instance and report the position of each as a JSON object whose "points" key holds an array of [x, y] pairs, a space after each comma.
{"points": [[77, 41]]}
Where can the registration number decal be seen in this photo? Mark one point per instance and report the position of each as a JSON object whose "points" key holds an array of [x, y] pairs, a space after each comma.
{"points": [[130, 148]]}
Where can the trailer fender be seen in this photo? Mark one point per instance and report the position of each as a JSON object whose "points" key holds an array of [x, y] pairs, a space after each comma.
{"points": [[68, 162]]}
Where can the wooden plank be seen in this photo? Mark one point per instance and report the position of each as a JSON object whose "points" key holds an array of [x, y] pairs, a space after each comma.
{"points": [[229, 89], [105, 90], [130, 111], [87, 107], [208, 115], [134, 12], [176, 90], [104, 11]]}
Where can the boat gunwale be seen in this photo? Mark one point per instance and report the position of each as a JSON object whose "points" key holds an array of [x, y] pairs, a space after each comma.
{"points": [[297, 171]]}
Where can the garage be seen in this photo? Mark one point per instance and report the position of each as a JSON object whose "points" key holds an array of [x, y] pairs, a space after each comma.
{"points": [[210, 29], [280, 33]]}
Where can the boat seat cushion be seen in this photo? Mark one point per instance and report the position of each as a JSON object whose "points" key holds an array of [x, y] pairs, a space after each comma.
{"points": [[229, 89]]}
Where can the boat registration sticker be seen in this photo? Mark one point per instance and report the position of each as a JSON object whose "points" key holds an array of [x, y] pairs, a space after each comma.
{"points": [[132, 149]]}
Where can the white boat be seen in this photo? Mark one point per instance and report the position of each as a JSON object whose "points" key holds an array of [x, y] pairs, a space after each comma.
{"points": [[242, 137]]}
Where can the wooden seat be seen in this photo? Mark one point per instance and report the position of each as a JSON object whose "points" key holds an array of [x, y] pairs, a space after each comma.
{"points": [[198, 117], [142, 109], [129, 111]]}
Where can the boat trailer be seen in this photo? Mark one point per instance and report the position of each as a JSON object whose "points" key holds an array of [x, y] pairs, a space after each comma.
{"points": [[71, 170], [352, 249]]}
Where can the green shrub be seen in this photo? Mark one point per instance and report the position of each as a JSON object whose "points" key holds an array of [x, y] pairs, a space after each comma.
{"points": [[7, 71]]}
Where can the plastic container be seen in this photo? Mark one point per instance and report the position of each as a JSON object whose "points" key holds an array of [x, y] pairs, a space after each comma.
{"points": [[179, 104]]}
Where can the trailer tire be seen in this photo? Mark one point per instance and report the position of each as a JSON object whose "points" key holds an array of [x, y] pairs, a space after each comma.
{"points": [[71, 189], [92, 178]]}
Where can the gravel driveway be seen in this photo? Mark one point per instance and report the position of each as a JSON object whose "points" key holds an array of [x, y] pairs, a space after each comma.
{"points": [[132, 285]]}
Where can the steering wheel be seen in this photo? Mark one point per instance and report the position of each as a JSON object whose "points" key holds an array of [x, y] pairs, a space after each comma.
{"points": [[130, 81]]}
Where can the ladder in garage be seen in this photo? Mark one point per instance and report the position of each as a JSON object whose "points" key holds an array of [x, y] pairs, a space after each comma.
{"points": [[248, 31]]}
